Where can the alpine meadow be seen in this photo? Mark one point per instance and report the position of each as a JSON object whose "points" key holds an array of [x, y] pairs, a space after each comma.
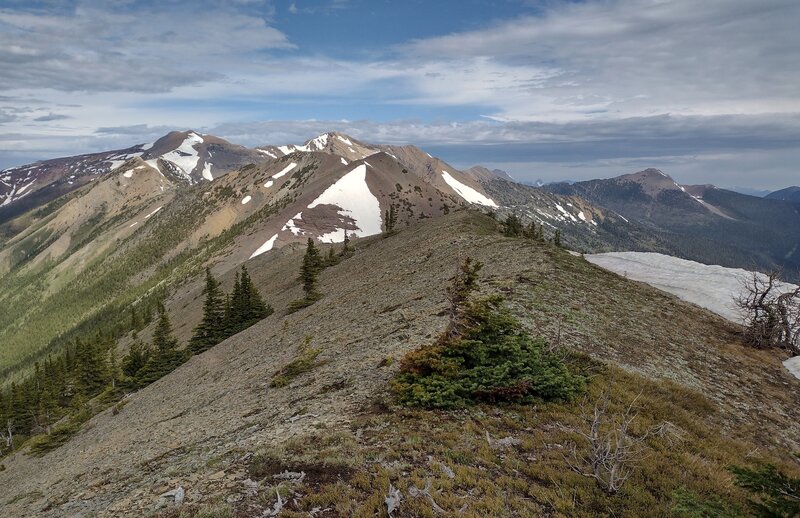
{"points": [[327, 258]]}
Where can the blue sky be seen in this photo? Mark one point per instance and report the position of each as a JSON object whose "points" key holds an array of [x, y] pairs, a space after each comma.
{"points": [[706, 91]]}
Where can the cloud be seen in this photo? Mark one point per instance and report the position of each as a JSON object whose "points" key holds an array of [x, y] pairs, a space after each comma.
{"points": [[94, 48], [52, 117], [622, 58]]}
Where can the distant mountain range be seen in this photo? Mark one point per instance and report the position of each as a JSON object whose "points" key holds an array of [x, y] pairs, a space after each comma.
{"points": [[701, 222], [105, 230], [788, 194]]}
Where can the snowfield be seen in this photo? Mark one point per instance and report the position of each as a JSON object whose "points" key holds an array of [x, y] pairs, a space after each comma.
{"points": [[266, 247], [467, 192], [185, 156], [354, 199], [284, 170], [708, 286]]}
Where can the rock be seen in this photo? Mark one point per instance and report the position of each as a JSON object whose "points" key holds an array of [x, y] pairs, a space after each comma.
{"points": [[176, 495]]}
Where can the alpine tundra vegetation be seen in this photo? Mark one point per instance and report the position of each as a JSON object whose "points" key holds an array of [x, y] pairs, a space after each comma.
{"points": [[230, 286]]}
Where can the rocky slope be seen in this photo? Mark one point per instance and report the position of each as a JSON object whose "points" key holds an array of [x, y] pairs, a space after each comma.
{"points": [[199, 427], [152, 217]]}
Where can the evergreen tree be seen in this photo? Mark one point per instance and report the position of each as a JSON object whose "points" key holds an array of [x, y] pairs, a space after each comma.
{"points": [[512, 226], [165, 357], [90, 367], [254, 307], [390, 219], [331, 259], [557, 238], [347, 250], [309, 273], [136, 358], [210, 331]]}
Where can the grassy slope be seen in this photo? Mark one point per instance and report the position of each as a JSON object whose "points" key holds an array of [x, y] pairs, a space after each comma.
{"points": [[199, 426]]}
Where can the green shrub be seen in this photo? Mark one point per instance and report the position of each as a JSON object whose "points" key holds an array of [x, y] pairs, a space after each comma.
{"points": [[778, 493], [492, 360], [305, 361]]}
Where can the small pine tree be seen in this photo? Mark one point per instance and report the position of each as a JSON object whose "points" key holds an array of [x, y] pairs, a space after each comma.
{"points": [[390, 219], [166, 357], [255, 308], [210, 331], [557, 238], [484, 355], [331, 258], [512, 226], [136, 358], [90, 367], [309, 274], [347, 249], [778, 493]]}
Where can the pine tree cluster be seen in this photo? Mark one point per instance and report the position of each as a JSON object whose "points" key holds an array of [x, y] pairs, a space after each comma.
{"points": [[88, 376], [313, 264], [513, 227], [225, 315]]}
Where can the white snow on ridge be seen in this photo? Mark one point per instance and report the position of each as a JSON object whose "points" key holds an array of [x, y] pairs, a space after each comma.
{"points": [[185, 156], [467, 192], [266, 247], [352, 195], [292, 227], [285, 149], [25, 187], [563, 211], [581, 216], [265, 152], [158, 209], [709, 286], [246, 199], [284, 170], [344, 162], [128, 173], [318, 143], [345, 140]]}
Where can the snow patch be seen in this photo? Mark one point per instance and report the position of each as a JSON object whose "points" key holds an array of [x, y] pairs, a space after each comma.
{"points": [[25, 187], [581, 216], [145, 147], [344, 162], [793, 366], [345, 140], [285, 149], [284, 170], [132, 224], [709, 286], [269, 184], [185, 156], [246, 199], [292, 227], [265, 152], [467, 192], [266, 247], [158, 209], [565, 213], [352, 195], [318, 143], [207, 171], [128, 173]]}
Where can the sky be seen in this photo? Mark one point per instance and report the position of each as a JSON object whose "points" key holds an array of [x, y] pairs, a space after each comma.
{"points": [[708, 92]]}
